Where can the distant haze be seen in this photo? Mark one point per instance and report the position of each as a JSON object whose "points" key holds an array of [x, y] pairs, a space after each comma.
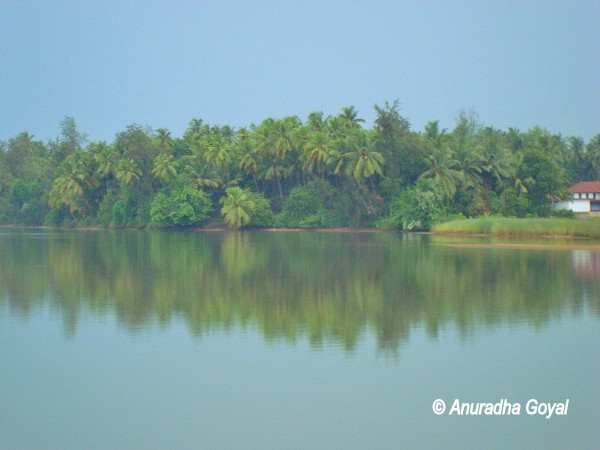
{"points": [[112, 63]]}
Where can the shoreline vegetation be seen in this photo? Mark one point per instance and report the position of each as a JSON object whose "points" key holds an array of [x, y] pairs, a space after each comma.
{"points": [[321, 173], [522, 228], [503, 227]]}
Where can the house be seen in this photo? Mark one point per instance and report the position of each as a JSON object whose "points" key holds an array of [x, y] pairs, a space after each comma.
{"points": [[585, 199]]}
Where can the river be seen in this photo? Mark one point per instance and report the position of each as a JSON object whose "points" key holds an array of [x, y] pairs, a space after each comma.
{"points": [[140, 339]]}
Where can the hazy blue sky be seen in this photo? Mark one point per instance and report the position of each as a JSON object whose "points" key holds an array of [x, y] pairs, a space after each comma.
{"points": [[112, 63]]}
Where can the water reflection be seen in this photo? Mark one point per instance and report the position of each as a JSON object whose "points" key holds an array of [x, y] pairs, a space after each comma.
{"points": [[326, 287]]}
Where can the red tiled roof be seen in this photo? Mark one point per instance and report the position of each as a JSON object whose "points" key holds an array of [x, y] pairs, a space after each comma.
{"points": [[586, 186]]}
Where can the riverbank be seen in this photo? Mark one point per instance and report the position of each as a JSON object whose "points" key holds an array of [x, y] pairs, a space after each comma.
{"points": [[527, 227], [477, 227]]}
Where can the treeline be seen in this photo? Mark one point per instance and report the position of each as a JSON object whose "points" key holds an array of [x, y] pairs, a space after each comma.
{"points": [[323, 172]]}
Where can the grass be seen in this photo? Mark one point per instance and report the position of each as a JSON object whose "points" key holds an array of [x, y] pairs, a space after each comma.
{"points": [[504, 226]]}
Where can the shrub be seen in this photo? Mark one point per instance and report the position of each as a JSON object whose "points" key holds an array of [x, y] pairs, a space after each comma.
{"points": [[106, 207], [180, 205], [563, 213], [263, 215], [416, 208], [513, 203], [302, 208], [59, 217]]}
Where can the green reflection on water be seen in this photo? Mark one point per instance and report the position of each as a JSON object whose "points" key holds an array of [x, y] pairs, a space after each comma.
{"points": [[327, 287]]}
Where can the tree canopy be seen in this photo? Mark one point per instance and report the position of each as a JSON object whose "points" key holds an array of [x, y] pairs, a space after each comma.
{"points": [[344, 173]]}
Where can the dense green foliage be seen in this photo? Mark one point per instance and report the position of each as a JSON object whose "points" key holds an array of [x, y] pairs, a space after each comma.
{"points": [[538, 226], [180, 205], [324, 172], [238, 207]]}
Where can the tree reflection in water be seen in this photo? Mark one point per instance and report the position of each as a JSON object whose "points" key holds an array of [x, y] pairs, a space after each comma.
{"points": [[320, 286]]}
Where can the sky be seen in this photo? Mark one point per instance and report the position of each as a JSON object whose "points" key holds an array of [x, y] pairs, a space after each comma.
{"points": [[109, 64]]}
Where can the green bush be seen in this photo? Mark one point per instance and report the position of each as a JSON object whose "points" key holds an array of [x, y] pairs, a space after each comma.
{"points": [[263, 216], [303, 208], [180, 205], [513, 203], [105, 209], [416, 208], [563, 213], [59, 217], [28, 203], [131, 210]]}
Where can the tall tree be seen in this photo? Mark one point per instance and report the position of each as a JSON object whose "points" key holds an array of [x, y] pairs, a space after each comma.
{"points": [[127, 171], [163, 139], [359, 159], [349, 118], [164, 168], [238, 207], [593, 150], [70, 141], [70, 186]]}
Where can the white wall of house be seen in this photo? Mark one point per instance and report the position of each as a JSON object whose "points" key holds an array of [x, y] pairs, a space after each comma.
{"points": [[577, 206]]}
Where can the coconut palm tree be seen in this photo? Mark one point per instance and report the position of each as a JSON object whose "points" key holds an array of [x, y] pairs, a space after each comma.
{"points": [[204, 175], [358, 158], [164, 169], [468, 162], [217, 149], [127, 171], [69, 187], [238, 207], [164, 140], [349, 118], [442, 168], [316, 122], [317, 151], [593, 150], [193, 131], [285, 135], [270, 160], [247, 160], [106, 159], [495, 161]]}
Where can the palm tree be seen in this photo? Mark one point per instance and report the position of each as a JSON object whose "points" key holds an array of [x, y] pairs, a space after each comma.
{"points": [[593, 150], [69, 187], [495, 163], [164, 140], [204, 175], [164, 170], [217, 149], [358, 158], [238, 207], [285, 134], [442, 169], [127, 171], [248, 163], [350, 119], [106, 159], [193, 131], [274, 170], [270, 160], [468, 163], [316, 122], [317, 151]]}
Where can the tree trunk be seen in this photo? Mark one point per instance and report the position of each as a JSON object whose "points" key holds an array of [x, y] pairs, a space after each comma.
{"points": [[280, 190]]}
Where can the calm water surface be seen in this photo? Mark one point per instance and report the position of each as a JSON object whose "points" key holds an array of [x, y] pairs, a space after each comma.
{"points": [[292, 340]]}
